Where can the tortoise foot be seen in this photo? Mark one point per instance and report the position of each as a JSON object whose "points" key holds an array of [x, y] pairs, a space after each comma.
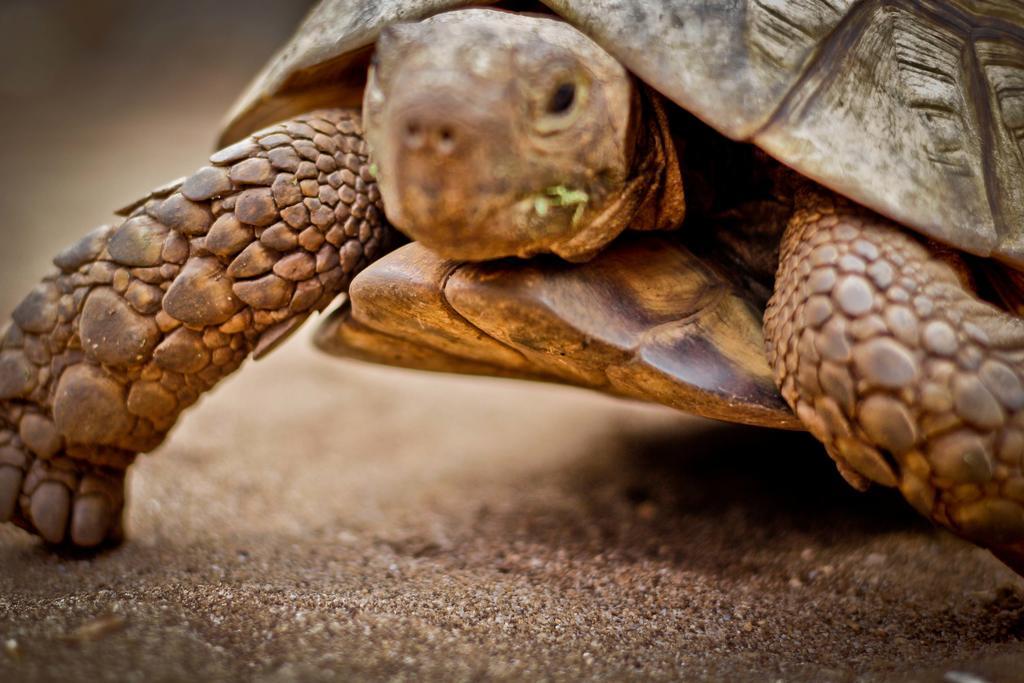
{"points": [[64, 501], [908, 378]]}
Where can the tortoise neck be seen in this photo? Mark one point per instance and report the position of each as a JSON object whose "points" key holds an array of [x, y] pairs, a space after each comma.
{"points": [[661, 202], [651, 198]]}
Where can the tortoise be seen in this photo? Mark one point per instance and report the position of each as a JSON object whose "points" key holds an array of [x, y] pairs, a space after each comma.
{"points": [[794, 214]]}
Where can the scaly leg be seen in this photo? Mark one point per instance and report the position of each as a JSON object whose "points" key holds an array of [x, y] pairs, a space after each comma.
{"points": [[909, 380], [142, 318]]}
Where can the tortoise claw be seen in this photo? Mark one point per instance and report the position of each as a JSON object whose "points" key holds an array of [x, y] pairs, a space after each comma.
{"points": [[91, 520], [64, 501], [49, 508]]}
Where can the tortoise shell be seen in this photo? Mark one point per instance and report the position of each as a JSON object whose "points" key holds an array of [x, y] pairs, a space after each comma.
{"points": [[683, 335], [914, 108]]}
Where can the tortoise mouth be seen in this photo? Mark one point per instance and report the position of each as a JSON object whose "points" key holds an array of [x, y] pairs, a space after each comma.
{"points": [[528, 224]]}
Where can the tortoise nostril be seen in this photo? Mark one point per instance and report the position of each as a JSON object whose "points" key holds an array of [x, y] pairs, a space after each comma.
{"points": [[412, 134], [422, 134], [445, 140]]}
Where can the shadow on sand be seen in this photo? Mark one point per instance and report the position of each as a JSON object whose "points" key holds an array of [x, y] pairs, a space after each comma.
{"points": [[717, 498]]}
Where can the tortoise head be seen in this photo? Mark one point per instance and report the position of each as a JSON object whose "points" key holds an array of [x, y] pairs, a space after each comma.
{"points": [[496, 134]]}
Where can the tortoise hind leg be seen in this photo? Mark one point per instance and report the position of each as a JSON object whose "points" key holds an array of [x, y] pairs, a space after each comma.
{"points": [[907, 377], [142, 318]]}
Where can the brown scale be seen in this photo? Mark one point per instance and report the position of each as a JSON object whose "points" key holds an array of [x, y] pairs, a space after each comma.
{"points": [[883, 350], [142, 318]]}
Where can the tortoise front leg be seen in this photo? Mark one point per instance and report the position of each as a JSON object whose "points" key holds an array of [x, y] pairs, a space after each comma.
{"points": [[882, 350], [143, 317]]}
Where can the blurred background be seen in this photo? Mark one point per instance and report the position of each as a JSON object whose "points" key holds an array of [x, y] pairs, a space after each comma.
{"points": [[313, 518], [104, 100]]}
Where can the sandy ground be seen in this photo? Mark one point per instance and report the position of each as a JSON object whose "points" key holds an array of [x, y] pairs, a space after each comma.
{"points": [[321, 520]]}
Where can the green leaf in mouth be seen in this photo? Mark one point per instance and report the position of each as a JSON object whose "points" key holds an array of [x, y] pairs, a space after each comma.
{"points": [[565, 196]]}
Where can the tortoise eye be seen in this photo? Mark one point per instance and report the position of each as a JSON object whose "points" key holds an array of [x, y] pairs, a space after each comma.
{"points": [[560, 107], [562, 98]]}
